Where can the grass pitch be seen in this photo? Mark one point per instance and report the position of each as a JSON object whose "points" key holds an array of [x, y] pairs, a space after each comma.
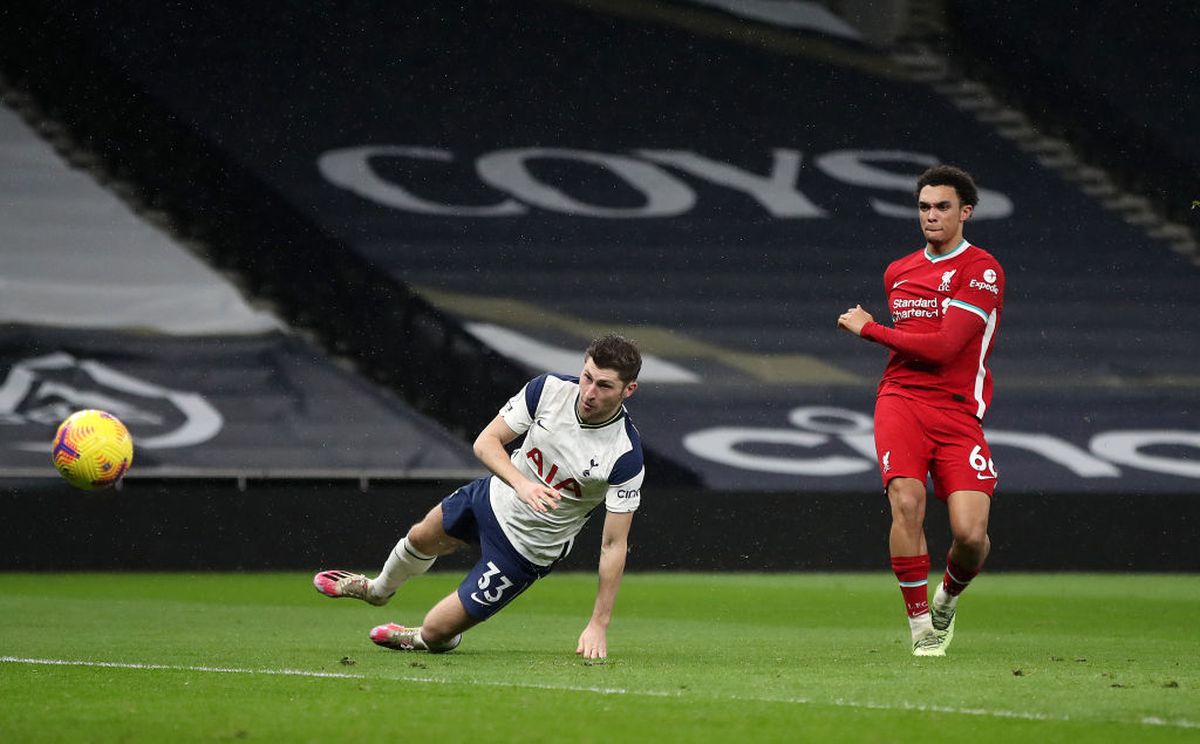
{"points": [[693, 658]]}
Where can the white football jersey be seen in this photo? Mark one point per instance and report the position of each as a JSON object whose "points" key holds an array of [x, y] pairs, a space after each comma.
{"points": [[589, 464]]}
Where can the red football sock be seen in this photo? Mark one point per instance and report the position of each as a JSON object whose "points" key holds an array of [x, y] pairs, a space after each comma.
{"points": [[957, 577], [912, 571]]}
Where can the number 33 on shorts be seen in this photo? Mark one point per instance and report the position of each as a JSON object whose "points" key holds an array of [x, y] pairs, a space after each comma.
{"points": [[984, 468], [491, 594]]}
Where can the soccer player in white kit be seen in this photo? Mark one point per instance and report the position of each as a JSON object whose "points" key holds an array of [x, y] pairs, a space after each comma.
{"points": [[580, 451]]}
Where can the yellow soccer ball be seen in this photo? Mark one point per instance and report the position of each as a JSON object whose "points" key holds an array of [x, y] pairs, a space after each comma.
{"points": [[92, 450]]}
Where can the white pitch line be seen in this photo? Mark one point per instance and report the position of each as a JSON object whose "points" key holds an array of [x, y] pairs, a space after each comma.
{"points": [[838, 702], [172, 668]]}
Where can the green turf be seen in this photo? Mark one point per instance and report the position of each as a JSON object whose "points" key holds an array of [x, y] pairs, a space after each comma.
{"points": [[693, 657]]}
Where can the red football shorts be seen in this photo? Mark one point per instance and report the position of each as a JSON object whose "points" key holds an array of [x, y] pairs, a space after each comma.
{"points": [[916, 440]]}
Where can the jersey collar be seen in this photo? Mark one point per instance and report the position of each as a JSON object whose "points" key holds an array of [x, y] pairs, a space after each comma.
{"points": [[616, 416], [935, 259]]}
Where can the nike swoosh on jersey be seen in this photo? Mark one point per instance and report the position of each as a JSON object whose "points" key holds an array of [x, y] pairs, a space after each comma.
{"points": [[897, 284], [985, 477]]}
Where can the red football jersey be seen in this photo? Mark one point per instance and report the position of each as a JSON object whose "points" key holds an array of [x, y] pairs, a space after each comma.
{"points": [[945, 313]]}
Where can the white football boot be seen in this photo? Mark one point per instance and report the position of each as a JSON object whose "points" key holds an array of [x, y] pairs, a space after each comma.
{"points": [[928, 644]]}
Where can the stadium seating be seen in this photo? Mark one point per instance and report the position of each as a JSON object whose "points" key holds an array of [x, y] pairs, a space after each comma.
{"points": [[722, 201], [100, 309], [459, 199], [1128, 111]]}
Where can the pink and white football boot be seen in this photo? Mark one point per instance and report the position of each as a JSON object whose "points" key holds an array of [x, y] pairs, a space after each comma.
{"points": [[339, 584], [400, 638]]}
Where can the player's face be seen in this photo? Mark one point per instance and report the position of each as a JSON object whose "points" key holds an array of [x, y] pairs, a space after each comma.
{"points": [[601, 393], [942, 215]]}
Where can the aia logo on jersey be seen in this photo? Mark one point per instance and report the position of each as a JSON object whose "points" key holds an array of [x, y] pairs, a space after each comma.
{"points": [[946, 277], [566, 485]]}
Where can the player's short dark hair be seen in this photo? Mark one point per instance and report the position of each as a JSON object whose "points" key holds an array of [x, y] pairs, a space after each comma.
{"points": [[617, 353], [950, 175]]}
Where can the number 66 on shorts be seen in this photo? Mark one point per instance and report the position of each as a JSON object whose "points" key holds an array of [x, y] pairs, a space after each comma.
{"points": [[917, 440]]}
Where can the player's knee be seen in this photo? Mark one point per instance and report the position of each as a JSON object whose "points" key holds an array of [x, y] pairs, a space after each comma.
{"points": [[428, 536], [973, 537], [443, 626], [908, 504], [417, 537], [908, 517]]}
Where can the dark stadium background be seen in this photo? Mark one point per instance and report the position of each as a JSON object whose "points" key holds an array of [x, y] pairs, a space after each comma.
{"points": [[499, 131]]}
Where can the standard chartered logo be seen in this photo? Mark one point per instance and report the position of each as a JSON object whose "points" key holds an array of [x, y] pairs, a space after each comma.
{"points": [[921, 307]]}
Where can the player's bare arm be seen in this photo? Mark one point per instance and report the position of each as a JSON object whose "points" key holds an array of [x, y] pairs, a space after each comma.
{"points": [[614, 544], [490, 450], [854, 319]]}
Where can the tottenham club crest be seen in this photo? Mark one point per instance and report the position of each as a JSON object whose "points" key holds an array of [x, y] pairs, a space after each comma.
{"points": [[46, 389]]}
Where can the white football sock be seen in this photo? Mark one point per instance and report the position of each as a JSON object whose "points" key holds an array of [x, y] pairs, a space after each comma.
{"points": [[920, 624], [404, 563], [436, 648], [943, 600], [419, 640]]}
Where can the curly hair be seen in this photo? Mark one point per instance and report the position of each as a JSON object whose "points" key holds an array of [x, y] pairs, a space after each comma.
{"points": [[950, 175]]}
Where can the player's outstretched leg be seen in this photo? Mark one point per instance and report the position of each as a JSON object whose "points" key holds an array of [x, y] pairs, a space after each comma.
{"points": [[339, 584], [401, 638], [404, 562]]}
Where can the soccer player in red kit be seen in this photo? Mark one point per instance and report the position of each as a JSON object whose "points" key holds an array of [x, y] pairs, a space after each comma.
{"points": [[945, 300]]}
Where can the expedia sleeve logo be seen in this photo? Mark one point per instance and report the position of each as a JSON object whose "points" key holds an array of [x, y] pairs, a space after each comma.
{"points": [[988, 283]]}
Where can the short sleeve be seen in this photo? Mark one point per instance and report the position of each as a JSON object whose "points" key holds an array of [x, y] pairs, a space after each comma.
{"points": [[981, 289], [520, 409], [627, 496]]}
